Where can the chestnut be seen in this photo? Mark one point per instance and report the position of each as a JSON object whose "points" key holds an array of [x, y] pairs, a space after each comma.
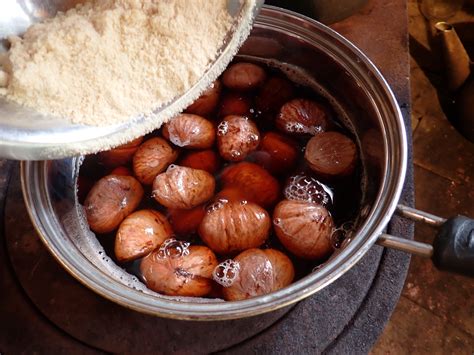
{"points": [[237, 136], [277, 153], [230, 226], [233, 103], [207, 102], [190, 131], [121, 155], [232, 193], [186, 221], [302, 116], [110, 200], [152, 158], [254, 183], [177, 269], [331, 154], [243, 76], [274, 93], [259, 272], [140, 233], [304, 228], [207, 160], [181, 187]]}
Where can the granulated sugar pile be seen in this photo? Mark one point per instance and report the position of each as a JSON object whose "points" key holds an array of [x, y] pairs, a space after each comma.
{"points": [[109, 60]]}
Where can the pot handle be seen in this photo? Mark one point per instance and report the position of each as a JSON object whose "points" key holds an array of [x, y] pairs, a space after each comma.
{"points": [[453, 246]]}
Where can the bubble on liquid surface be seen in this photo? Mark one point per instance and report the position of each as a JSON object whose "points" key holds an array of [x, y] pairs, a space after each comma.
{"points": [[172, 248], [235, 154], [253, 137], [226, 272], [315, 130], [295, 127], [340, 234], [222, 128], [308, 189], [217, 205], [337, 237]]}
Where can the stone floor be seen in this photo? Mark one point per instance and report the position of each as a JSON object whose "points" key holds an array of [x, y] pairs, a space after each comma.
{"points": [[435, 314]]}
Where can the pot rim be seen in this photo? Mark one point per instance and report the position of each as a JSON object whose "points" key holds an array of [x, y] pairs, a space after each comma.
{"points": [[34, 177]]}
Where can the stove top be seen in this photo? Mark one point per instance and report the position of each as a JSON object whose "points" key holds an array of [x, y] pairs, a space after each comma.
{"points": [[45, 310]]}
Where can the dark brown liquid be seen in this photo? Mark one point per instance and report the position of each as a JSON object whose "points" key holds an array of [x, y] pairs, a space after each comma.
{"points": [[346, 191]]}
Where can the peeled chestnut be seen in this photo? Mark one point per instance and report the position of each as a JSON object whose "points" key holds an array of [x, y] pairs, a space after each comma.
{"points": [[190, 131], [253, 182], [207, 160], [331, 154], [151, 158], [230, 226], [177, 269], [237, 136], [243, 76], [233, 103], [186, 221], [304, 228], [303, 187], [140, 233], [207, 102], [181, 187], [259, 272], [277, 153], [274, 93], [121, 155], [301, 116], [110, 200]]}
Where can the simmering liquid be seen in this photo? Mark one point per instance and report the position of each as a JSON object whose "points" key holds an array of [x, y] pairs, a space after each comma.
{"points": [[341, 195]]}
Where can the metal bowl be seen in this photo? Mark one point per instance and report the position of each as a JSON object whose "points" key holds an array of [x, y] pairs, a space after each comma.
{"points": [[29, 135], [328, 62]]}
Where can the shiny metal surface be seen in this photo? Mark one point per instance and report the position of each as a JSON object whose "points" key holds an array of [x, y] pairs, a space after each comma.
{"points": [[28, 135], [354, 85], [406, 245], [410, 246], [420, 216]]}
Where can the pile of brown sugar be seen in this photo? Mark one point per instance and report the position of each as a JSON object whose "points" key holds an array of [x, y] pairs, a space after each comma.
{"points": [[107, 61]]}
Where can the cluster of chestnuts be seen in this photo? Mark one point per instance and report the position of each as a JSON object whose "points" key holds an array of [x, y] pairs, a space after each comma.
{"points": [[244, 169]]}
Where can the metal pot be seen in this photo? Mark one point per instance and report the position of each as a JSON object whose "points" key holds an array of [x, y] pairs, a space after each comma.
{"points": [[343, 74], [325, 11]]}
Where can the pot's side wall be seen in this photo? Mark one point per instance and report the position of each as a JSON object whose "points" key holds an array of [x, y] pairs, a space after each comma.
{"points": [[325, 11]]}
